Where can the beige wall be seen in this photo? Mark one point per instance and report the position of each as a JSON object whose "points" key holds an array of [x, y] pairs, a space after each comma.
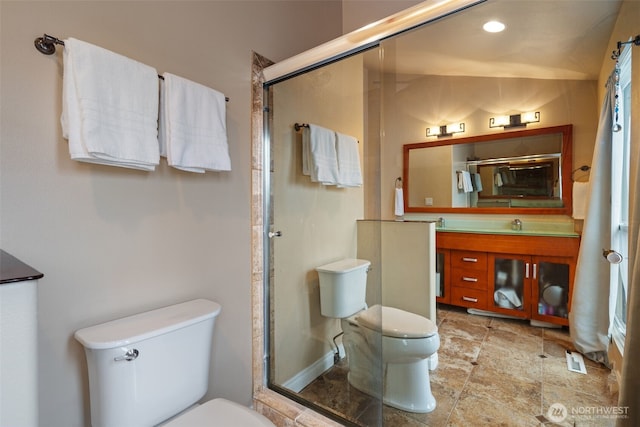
{"points": [[318, 222], [110, 241]]}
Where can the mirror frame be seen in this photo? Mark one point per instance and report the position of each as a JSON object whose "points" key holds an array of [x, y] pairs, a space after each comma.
{"points": [[565, 169]]}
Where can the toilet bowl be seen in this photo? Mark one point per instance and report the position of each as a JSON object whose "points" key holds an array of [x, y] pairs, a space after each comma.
{"points": [[389, 351], [400, 346], [152, 368]]}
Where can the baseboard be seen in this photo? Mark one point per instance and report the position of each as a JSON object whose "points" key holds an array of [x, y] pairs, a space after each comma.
{"points": [[311, 372]]}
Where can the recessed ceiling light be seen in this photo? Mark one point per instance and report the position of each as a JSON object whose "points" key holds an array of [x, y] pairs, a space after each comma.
{"points": [[493, 26]]}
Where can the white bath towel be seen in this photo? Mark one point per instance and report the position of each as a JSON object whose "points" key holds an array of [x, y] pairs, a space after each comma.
{"points": [[349, 172], [193, 126], [322, 155], [399, 203], [109, 107], [580, 195]]}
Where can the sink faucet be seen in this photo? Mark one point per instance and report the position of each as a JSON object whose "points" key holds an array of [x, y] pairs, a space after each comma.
{"points": [[440, 223], [516, 224]]}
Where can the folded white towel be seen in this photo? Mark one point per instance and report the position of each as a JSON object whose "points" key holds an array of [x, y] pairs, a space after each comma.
{"points": [[507, 298], [464, 181], [349, 173], [323, 158], [109, 107], [193, 126], [580, 196], [399, 203]]}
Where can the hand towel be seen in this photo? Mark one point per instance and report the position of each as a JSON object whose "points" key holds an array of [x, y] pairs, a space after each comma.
{"points": [[464, 181], [580, 196], [399, 203], [193, 133], [477, 182], [497, 180], [109, 107], [349, 173], [323, 158]]}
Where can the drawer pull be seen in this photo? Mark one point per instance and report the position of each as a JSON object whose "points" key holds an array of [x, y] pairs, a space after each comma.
{"points": [[469, 279], [469, 299], [466, 259]]}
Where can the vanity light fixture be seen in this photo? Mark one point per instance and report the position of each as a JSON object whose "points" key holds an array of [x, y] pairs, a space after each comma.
{"points": [[445, 130], [514, 120]]}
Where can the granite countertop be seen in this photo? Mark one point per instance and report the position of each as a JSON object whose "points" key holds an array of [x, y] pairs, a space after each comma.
{"points": [[13, 270]]}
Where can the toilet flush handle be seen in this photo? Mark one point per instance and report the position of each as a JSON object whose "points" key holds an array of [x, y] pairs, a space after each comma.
{"points": [[128, 356]]}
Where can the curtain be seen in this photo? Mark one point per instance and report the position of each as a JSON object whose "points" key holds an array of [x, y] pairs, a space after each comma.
{"points": [[630, 387], [590, 316]]}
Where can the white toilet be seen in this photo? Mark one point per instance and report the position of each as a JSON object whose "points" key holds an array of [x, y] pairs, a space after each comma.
{"points": [[389, 351], [151, 368]]}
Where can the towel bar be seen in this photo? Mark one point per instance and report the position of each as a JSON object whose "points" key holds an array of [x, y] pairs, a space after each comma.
{"points": [[47, 45]]}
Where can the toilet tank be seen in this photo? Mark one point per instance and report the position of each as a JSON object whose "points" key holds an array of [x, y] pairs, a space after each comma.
{"points": [[168, 367], [343, 287]]}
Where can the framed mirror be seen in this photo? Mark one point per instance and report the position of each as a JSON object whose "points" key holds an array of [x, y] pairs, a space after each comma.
{"points": [[520, 171]]}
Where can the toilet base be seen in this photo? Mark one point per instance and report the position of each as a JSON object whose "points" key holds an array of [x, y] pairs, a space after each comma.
{"points": [[407, 387]]}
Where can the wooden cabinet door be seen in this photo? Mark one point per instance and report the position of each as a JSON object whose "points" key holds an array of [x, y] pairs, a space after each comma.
{"points": [[509, 287]]}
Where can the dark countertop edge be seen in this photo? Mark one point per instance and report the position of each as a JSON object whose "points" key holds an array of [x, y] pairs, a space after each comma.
{"points": [[13, 270]]}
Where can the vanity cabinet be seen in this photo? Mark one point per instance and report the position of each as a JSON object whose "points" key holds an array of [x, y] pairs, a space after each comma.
{"points": [[524, 276]]}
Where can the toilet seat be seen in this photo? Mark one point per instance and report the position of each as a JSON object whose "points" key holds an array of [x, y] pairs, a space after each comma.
{"points": [[396, 323], [220, 413]]}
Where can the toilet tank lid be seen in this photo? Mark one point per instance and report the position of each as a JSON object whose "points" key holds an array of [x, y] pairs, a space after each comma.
{"points": [[344, 265], [127, 330], [396, 323]]}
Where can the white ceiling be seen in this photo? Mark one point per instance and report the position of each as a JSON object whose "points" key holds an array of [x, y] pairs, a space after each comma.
{"points": [[554, 39]]}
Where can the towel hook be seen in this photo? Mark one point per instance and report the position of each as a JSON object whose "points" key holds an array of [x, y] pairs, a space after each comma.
{"points": [[47, 44], [398, 183]]}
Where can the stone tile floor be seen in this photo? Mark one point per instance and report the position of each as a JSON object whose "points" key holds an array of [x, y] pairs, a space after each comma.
{"points": [[491, 372]]}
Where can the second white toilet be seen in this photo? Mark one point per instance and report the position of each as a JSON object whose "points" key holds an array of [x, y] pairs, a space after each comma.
{"points": [[151, 368], [389, 351]]}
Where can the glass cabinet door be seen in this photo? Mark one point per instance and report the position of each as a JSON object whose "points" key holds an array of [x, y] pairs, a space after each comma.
{"points": [[442, 276], [551, 290], [509, 284]]}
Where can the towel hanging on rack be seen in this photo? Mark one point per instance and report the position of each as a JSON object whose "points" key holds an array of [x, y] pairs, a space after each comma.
{"points": [[110, 107], [192, 126]]}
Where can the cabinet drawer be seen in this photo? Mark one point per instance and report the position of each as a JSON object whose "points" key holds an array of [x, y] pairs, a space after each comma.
{"points": [[469, 278], [466, 297], [469, 260]]}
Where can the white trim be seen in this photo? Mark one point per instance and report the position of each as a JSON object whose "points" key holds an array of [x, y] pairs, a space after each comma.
{"points": [[311, 372], [366, 36]]}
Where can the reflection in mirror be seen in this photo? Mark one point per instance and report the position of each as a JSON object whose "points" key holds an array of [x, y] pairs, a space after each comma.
{"points": [[527, 169]]}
